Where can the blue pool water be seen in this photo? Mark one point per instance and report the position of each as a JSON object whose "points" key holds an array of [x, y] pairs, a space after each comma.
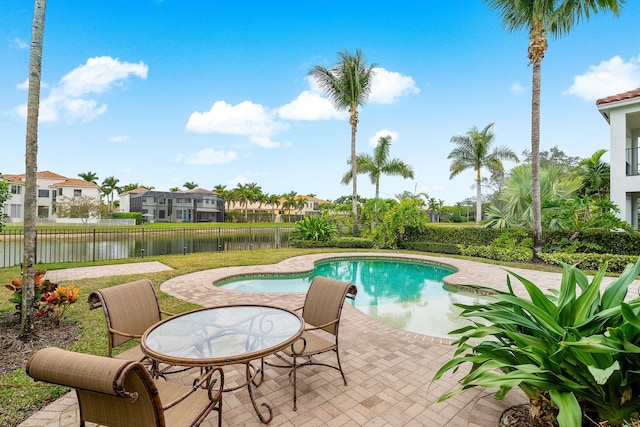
{"points": [[406, 294]]}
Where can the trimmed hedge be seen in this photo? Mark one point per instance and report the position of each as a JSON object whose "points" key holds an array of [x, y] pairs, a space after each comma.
{"points": [[342, 242], [128, 215], [441, 248], [593, 262]]}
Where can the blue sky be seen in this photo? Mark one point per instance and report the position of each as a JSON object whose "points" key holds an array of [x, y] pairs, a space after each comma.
{"points": [[164, 92]]}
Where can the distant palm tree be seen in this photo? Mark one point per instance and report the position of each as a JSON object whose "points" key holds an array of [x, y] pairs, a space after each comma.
{"points": [[174, 189], [89, 177], [290, 202], [540, 18], [595, 175], [31, 169], [272, 200], [190, 185], [348, 84], [110, 186], [473, 151]]}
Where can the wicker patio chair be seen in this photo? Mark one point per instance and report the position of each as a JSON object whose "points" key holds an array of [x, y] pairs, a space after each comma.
{"points": [[121, 393], [129, 309], [321, 313]]}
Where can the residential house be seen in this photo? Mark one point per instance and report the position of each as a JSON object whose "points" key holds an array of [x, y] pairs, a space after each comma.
{"points": [[51, 186], [197, 205], [622, 112]]}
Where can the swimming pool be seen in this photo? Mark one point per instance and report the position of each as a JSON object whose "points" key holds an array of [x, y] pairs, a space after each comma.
{"points": [[405, 294]]}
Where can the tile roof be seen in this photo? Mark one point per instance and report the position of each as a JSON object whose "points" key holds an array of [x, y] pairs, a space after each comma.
{"points": [[619, 97], [74, 182]]}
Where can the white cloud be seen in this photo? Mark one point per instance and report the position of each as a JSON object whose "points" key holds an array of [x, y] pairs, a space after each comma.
{"points": [[373, 141], [516, 88], [119, 138], [388, 86], [246, 118], [208, 156], [310, 105], [18, 43], [70, 98], [607, 78]]}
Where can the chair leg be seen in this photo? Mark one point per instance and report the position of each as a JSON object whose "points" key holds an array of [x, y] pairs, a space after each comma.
{"points": [[295, 385], [344, 378]]}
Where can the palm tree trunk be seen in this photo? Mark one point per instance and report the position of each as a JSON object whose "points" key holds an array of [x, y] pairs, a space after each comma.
{"points": [[354, 173], [478, 198], [31, 169], [535, 161]]}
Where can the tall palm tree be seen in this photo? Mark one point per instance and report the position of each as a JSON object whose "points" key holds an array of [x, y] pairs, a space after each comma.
{"points": [[595, 175], [109, 186], [290, 202], [190, 185], [348, 84], [540, 18], [379, 164], [473, 151], [31, 169], [89, 177]]}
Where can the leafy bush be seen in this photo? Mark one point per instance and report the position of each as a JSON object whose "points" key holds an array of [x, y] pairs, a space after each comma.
{"points": [[498, 253], [316, 228], [572, 352]]}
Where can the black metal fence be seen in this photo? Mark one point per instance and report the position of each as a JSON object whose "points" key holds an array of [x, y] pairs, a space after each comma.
{"points": [[77, 245]]}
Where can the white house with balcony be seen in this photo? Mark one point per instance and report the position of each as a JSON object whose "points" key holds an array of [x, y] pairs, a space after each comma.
{"points": [[51, 186], [622, 112]]}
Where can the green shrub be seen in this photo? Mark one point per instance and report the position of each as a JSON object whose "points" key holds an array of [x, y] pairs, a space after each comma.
{"points": [[572, 352], [316, 228]]}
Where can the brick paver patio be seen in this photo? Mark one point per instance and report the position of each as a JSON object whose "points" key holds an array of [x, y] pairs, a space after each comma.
{"points": [[388, 370]]}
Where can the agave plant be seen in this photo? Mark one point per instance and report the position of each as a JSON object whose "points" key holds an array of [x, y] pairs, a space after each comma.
{"points": [[574, 352]]}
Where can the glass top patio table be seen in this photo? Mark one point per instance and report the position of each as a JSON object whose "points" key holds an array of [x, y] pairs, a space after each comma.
{"points": [[222, 335]]}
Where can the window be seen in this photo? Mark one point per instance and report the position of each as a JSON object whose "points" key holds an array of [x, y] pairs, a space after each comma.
{"points": [[161, 214], [15, 211], [77, 192], [43, 211], [162, 201], [43, 193], [16, 189], [59, 191]]}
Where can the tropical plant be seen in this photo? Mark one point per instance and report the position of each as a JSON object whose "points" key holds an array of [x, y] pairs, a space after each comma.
{"points": [[595, 175], [409, 213], [347, 85], [541, 18], [473, 151], [573, 352], [317, 228], [89, 177], [31, 167], [515, 199], [50, 302]]}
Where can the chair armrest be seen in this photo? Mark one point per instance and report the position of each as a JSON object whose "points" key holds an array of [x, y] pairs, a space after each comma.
{"points": [[309, 327], [124, 334], [205, 382]]}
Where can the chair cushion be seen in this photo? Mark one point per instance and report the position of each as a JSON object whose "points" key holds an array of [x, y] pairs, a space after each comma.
{"points": [[314, 344]]}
